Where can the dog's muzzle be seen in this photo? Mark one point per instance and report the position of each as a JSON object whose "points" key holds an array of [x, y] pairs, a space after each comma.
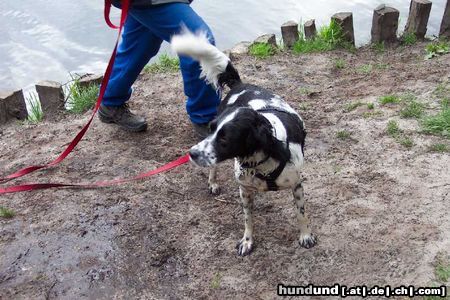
{"points": [[200, 156]]}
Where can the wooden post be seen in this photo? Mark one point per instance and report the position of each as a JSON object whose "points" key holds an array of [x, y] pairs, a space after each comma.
{"points": [[12, 106], [51, 96], [310, 29], [385, 24], [419, 13], [345, 20], [289, 33], [445, 25]]}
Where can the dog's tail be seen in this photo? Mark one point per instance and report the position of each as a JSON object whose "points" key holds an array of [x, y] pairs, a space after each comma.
{"points": [[216, 66]]}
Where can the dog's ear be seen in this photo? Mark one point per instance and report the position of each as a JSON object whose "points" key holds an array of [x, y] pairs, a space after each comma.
{"points": [[264, 140]]}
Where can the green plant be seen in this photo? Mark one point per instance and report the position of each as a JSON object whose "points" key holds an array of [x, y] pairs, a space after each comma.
{"points": [[365, 69], [442, 90], [378, 47], [165, 64], [6, 213], [262, 50], [328, 38], [393, 129], [437, 48], [372, 114], [438, 124], [370, 106], [409, 38], [352, 106], [389, 99], [441, 148], [82, 98], [413, 109], [215, 282], [405, 141], [339, 63], [305, 90], [343, 134], [35, 114], [382, 66]]}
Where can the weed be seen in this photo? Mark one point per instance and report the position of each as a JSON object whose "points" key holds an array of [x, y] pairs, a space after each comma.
{"points": [[379, 47], [438, 124], [82, 98], [165, 64], [305, 91], [441, 148], [437, 48], [35, 114], [262, 50], [365, 69], [304, 106], [442, 90], [393, 129], [343, 134], [370, 106], [328, 38], [405, 141], [389, 99], [352, 106], [382, 66], [442, 271], [413, 109], [339, 63], [215, 282], [409, 38], [372, 114], [6, 213]]}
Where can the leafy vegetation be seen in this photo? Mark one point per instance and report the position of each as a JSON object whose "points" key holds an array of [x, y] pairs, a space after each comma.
{"points": [[437, 48], [409, 38], [262, 50], [438, 124], [6, 213], [389, 99], [82, 98], [370, 106], [352, 106], [339, 63], [215, 282], [343, 134], [392, 128], [394, 131], [413, 109], [378, 47], [441, 148], [35, 115], [365, 69], [165, 64]]}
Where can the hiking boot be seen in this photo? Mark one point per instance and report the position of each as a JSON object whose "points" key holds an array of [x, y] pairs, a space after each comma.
{"points": [[201, 130], [122, 116]]}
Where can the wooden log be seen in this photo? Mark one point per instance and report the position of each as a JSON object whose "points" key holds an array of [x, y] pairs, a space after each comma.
{"points": [[12, 106], [310, 29], [289, 33], [51, 96], [419, 13], [345, 20], [445, 24], [267, 39], [385, 24]]}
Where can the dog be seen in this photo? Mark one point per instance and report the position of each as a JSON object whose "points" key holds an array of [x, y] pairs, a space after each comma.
{"points": [[261, 132]]}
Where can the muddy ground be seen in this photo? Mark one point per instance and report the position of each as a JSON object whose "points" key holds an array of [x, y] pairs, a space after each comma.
{"points": [[379, 209]]}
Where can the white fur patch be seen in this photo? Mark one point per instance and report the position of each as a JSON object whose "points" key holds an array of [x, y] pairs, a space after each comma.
{"points": [[278, 127], [234, 98], [257, 104]]}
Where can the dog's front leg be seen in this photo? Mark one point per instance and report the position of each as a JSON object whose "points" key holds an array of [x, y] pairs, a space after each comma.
{"points": [[213, 186], [306, 239], [245, 245]]}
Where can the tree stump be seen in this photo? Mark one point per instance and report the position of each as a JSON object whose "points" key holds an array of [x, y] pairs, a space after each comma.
{"points": [[419, 13], [51, 96], [445, 25], [12, 106], [267, 39], [385, 24], [289, 33], [345, 20], [310, 29], [90, 79]]}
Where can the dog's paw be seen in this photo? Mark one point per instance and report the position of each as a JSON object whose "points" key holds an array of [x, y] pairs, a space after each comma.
{"points": [[307, 241], [214, 189], [244, 246]]}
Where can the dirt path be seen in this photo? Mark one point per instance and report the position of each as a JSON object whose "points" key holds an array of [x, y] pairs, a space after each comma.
{"points": [[380, 210]]}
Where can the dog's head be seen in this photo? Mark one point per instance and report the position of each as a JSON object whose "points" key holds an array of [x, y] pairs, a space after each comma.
{"points": [[238, 133]]}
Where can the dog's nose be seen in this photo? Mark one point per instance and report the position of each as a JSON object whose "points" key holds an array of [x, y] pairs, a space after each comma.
{"points": [[194, 154]]}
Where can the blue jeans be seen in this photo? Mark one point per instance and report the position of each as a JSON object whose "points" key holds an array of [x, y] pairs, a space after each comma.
{"points": [[143, 33]]}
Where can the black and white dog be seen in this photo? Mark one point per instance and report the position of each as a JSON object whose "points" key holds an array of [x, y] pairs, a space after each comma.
{"points": [[257, 128]]}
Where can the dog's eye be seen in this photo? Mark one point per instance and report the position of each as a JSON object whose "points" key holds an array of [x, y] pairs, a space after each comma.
{"points": [[212, 126], [221, 137]]}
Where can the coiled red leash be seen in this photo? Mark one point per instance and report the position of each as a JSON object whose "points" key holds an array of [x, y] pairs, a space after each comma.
{"points": [[37, 186]]}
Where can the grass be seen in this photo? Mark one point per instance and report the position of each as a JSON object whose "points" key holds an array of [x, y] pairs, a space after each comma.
{"points": [[370, 106], [343, 134], [437, 48], [262, 50], [339, 64], [393, 129], [365, 69], [305, 91], [442, 90], [352, 106], [82, 98], [389, 99], [409, 38], [442, 271], [35, 115], [438, 124], [412, 110], [6, 213], [440, 148], [382, 66], [328, 38], [405, 141], [378, 47], [165, 64], [215, 282], [372, 114]]}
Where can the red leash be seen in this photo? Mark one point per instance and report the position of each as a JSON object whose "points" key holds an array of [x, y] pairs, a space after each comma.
{"points": [[79, 136]]}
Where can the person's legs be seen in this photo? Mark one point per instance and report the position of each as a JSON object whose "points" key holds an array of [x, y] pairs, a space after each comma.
{"points": [[165, 21]]}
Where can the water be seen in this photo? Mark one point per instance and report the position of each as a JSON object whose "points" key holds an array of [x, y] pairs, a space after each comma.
{"points": [[42, 41]]}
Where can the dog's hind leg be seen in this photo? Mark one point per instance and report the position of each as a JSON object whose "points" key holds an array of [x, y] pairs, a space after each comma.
{"points": [[213, 186], [245, 245], [306, 239]]}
